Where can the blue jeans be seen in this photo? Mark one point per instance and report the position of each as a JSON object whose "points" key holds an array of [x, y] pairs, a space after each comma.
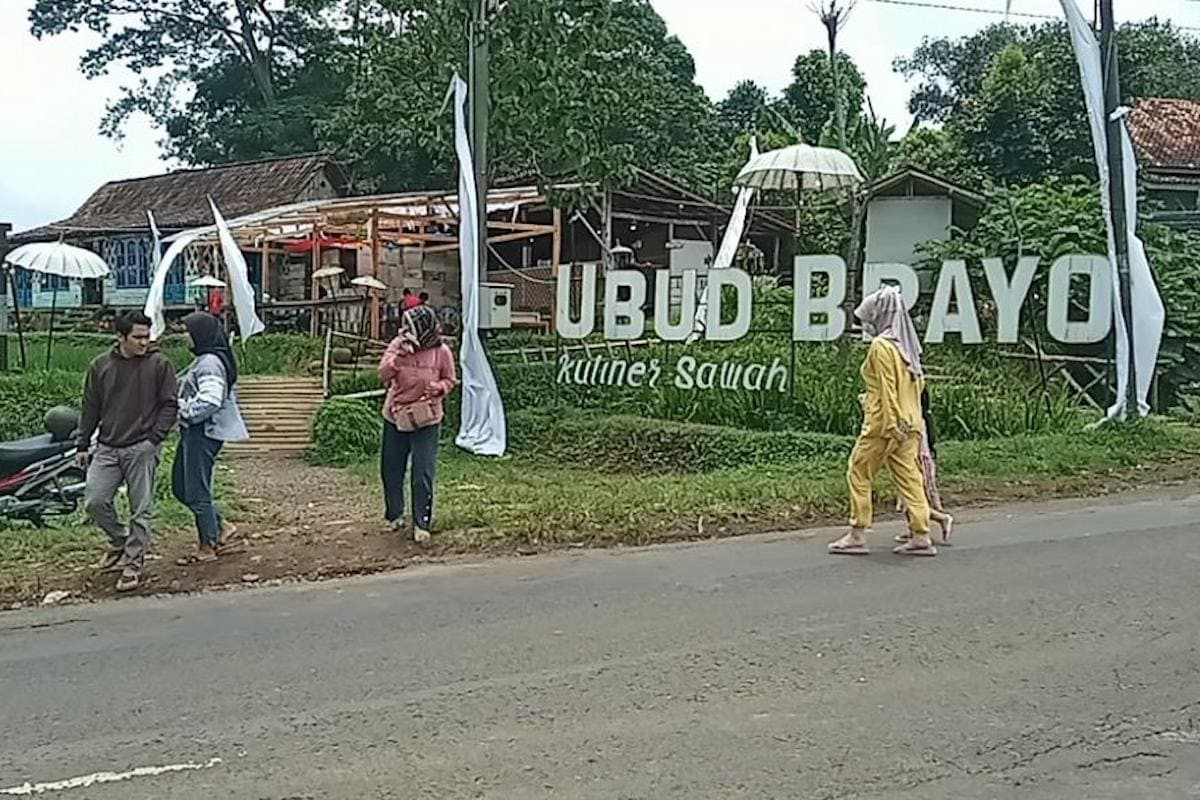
{"points": [[191, 481], [398, 447]]}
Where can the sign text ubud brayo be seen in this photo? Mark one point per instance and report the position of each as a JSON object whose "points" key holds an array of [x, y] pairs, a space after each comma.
{"points": [[816, 318]]}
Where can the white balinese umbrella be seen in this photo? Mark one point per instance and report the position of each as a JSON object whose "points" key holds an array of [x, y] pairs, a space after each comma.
{"points": [[327, 272], [800, 167], [368, 284], [61, 260]]}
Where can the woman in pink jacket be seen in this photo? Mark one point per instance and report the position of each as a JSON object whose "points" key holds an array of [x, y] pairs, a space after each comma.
{"points": [[418, 370]]}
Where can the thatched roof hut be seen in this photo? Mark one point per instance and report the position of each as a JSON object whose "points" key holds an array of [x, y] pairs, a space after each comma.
{"points": [[179, 200]]}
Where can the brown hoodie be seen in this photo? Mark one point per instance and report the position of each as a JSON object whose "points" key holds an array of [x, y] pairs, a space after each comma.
{"points": [[130, 400]]}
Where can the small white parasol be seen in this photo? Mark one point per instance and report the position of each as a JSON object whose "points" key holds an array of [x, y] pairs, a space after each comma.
{"points": [[59, 258], [208, 282], [327, 272], [330, 274], [367, 282]]}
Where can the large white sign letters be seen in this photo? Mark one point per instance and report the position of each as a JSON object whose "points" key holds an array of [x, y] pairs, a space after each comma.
{"points": [[820, 317]]}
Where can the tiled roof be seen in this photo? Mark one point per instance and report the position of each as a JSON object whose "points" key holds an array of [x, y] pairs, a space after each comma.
{"points": [[1166, 132]]}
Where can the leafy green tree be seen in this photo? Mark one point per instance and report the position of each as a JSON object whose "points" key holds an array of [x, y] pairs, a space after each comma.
{"points": [[588, 88], [1010, 101], [255, 74], [933, 150]]}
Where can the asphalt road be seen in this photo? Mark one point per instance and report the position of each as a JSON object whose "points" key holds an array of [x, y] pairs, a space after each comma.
{"points": [[1051, 655]]}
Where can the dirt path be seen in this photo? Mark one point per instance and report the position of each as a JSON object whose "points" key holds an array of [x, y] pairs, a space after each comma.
{"points": [[298, 521]]}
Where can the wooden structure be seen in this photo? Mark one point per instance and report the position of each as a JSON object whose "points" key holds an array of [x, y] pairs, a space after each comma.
{"points": [[407, 241], [664, 224], [410, 241]]}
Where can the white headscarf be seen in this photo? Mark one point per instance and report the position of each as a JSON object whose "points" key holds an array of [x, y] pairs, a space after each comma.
{"points": [[883, 315]]}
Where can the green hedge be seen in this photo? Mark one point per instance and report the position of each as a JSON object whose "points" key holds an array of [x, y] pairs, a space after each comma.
{"points": [[348, 431]]}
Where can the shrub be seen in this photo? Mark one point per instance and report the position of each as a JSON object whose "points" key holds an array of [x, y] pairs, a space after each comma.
{"points": [[633, 444], [346, 431], [25, 399]]}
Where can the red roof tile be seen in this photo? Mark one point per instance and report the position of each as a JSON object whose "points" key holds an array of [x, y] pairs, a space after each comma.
{"points": [[1166, 132]]}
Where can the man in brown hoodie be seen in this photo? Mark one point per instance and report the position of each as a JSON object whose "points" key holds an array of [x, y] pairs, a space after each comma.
{"points": [[129, 401]]}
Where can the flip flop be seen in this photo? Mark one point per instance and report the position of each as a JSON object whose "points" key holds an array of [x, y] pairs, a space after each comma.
{"points": [[902, 538], [948, 530], [910, 549], [128, 581], [848, 549]]}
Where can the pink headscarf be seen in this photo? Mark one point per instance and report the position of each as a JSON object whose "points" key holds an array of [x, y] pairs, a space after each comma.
{"points": [[883, 315]]}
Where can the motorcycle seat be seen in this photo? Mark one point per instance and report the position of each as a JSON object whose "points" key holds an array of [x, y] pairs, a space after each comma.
{"points": [[16, 456]]}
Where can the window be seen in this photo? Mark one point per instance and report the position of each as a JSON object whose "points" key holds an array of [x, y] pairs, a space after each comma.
{"points": [[52, 282], [131, 264]]}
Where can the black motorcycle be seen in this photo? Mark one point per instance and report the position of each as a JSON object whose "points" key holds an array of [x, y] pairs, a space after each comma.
{"points": [[38, 476]]}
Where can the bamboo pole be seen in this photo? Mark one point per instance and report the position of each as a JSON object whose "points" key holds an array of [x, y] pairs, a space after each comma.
{"points": [[316, 284], [555, 262]]}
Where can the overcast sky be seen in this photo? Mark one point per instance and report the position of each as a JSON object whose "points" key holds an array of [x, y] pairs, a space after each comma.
{"points": [[52, 157]]}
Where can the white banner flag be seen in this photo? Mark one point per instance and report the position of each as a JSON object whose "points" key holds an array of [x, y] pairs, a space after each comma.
{"points": [[238, 278], [483, 431], [1148, 314]]}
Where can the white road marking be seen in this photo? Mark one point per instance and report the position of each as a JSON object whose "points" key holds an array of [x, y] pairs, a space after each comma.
{"points": [[84, 781]]}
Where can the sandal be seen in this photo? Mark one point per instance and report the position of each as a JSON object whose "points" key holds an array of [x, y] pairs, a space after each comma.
{"points": [[910, 549], [200, 556], [130, 579], [111, 562], [840, 548], [230, 540]]}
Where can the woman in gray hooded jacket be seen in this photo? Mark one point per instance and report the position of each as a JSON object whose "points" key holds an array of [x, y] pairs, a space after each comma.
{"points": [[208, 418]]}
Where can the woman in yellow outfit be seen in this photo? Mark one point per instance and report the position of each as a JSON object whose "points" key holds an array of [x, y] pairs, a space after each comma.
{"points": [[892, 424]]}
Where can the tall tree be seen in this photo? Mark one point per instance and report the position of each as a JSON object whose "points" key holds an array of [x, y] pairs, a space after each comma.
{"points": [[743, 110], [810, 98], [834, 14]]}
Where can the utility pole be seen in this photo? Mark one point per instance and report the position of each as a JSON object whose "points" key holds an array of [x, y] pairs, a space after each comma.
{"points": [[478, 96], [1116, 186], [4, 295]]}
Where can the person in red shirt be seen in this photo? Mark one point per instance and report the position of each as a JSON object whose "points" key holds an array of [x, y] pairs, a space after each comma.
{"points": [[410, 300], [216, 302]]}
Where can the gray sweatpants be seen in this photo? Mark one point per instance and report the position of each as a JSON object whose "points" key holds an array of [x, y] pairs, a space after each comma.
{"points": [[134, 467]]}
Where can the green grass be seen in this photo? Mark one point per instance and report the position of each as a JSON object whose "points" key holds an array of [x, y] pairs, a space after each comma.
{"points": [[522, 500]]}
